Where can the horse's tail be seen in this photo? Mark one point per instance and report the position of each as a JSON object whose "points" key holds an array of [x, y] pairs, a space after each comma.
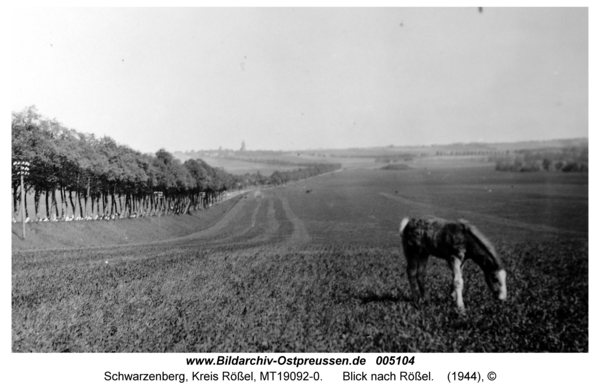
{"points": [[483, 242], [403, 224]]}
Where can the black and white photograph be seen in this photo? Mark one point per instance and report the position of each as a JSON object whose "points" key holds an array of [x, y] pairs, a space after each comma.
{"points": [[262, 181]]}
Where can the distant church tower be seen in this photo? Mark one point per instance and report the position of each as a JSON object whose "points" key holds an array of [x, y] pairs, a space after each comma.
{"points": [[243, 148]]}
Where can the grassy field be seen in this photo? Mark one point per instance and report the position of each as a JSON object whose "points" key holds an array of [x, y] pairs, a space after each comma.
{"points": [[285, 269], [251, 163], [239, 167]]}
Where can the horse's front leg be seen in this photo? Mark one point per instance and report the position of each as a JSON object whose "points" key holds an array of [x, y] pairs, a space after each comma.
{"points": [[457, 283]]}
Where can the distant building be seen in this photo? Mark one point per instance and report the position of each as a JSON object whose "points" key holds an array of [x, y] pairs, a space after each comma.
{"points": [[243, 148]]}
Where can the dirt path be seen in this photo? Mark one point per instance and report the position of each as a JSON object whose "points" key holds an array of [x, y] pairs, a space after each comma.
{"points": [[300, 234], [271, 227]]}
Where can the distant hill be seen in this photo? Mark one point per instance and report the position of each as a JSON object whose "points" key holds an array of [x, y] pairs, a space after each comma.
{"points": [[321, 155], [267, 162]]}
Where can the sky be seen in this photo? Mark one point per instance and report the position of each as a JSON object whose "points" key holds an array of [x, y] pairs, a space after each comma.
{"points": [[304, 78]]}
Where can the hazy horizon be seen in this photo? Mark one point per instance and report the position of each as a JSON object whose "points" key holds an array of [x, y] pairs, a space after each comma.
{"points": [[399, 146], [294, 79]]}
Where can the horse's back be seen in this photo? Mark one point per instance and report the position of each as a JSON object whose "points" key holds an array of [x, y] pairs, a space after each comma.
{"points": [[434, 236]]}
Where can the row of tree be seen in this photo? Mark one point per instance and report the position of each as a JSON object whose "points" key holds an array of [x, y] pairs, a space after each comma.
{"points": [[283, 177], [472, 152], [571, 159], [273, 162], [79, 175]]}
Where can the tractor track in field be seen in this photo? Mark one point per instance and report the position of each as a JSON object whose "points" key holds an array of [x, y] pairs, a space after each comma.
{"points": [[300, 234]]}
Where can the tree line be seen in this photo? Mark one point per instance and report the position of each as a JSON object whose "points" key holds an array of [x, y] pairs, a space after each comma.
{"points": [[272, 162], [283, 177], [77, 175], [570, 159]]}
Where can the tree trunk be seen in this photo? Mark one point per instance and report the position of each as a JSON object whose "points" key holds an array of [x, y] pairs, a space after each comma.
{"points": [[109, 204], [54, 204], [142, 206], [78, 195], [121, 211], [72, 203], [16, 198], [87, 195], [113, 203], [47, 206], [26, 212], [64, 205], [36, 203], [187, 207], [127, 204]]}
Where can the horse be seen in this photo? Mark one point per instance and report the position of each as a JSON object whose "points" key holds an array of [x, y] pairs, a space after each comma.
{"points": [[455, 242]]}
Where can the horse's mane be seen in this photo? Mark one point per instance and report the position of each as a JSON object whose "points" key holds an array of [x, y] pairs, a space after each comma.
{"points": [[487, 246]]}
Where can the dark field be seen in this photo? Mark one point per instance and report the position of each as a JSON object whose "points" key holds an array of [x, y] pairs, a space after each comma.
{"points": [[322, 271]]}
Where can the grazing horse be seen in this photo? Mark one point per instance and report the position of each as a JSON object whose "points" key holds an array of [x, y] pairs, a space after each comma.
{"points": [[454, 241]]}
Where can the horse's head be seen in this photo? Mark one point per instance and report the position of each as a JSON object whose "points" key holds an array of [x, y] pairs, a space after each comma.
{"points": [[482, 251], [496, 281]]}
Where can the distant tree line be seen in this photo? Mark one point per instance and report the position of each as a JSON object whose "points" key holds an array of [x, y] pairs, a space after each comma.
{"points": [[471, 152], [82, 175], [273, 162], [317, 154], [227, 152], [397, 166], [407, 157], [570, 159], [380, 158], [283, 177]]}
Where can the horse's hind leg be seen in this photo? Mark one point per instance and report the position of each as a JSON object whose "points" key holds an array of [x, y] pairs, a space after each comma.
{"points": [[416, 275], [421, 274]]}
